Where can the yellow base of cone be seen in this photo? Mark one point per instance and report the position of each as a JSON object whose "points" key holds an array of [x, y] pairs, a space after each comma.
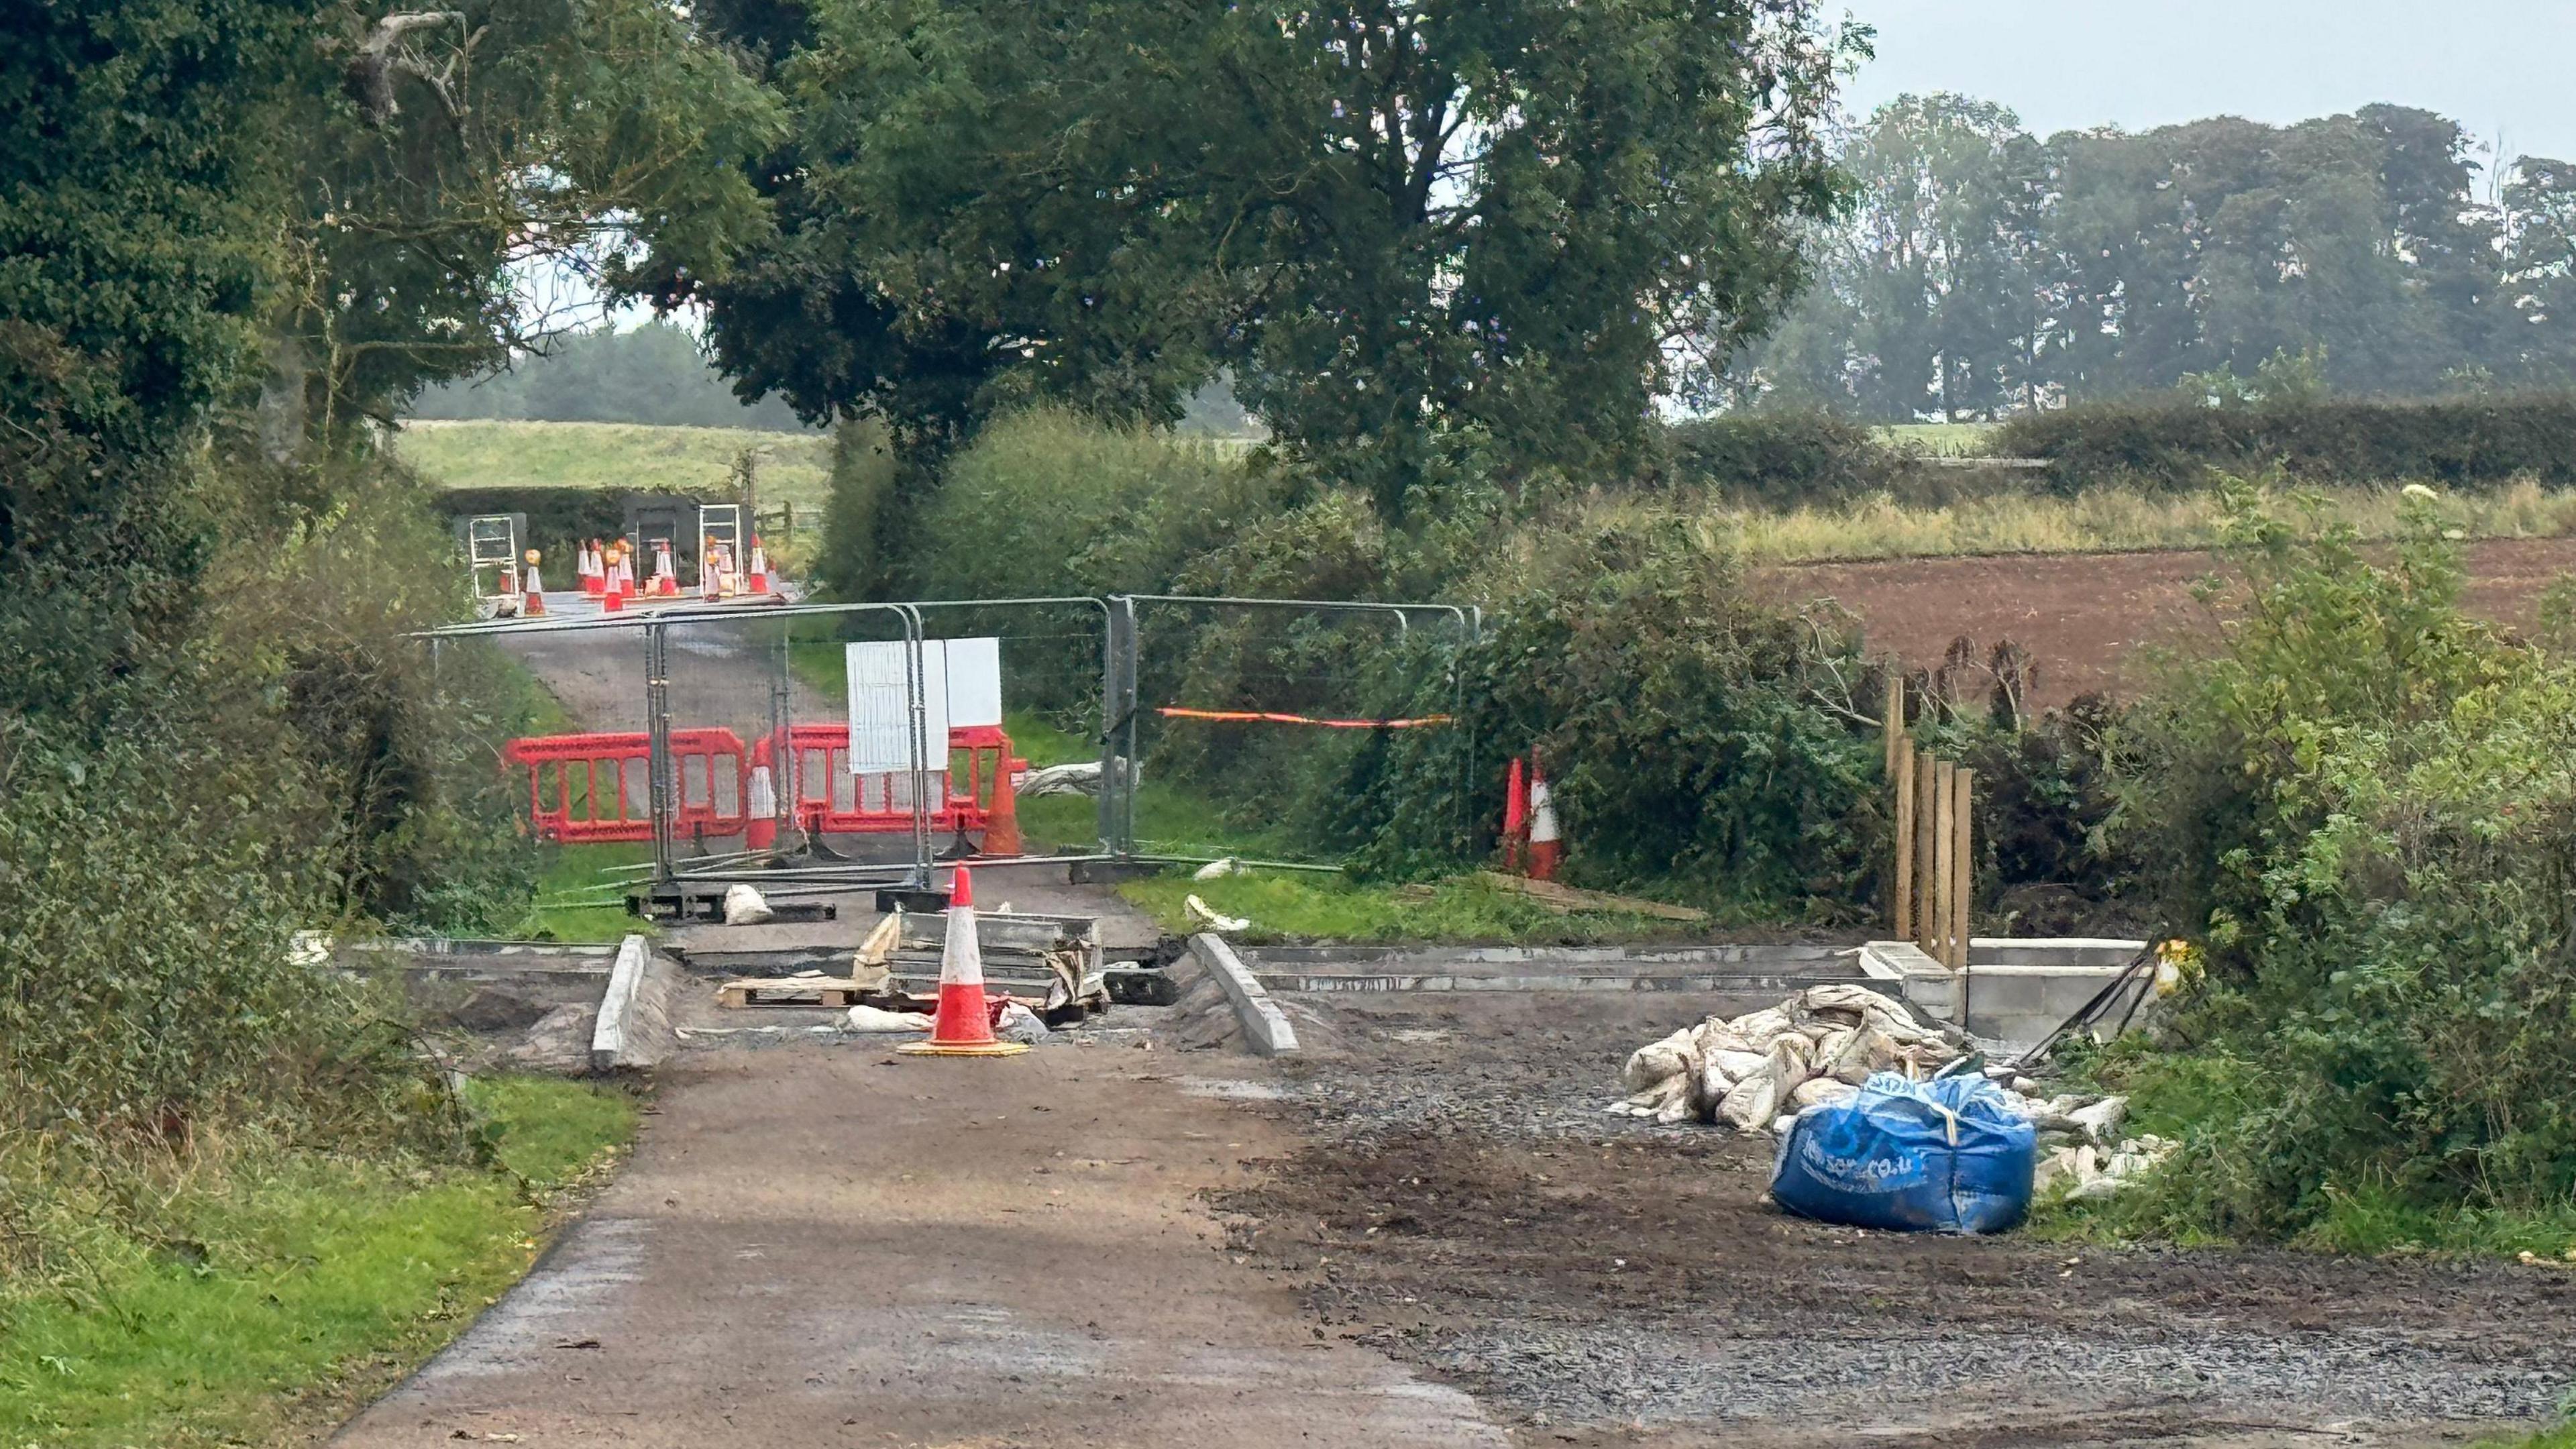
{"points": [[967, 1049]]}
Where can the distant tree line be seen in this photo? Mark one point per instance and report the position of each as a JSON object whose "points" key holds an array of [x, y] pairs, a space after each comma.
{"points": [[649, 374], [1983, 270]]}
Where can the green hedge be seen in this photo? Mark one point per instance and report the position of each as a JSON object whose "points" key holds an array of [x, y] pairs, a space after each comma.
{"points": [[2467, 443], [1782, 459]]}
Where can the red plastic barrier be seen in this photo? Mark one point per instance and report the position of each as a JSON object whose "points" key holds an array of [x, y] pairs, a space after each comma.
{"points": [[598, 787], [832, 801], [602, 786]]}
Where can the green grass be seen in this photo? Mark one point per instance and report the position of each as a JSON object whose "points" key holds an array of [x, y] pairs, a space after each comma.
{"points": [[290, 1286], [576, 902], [2188, 1095], [789, 467], [1324, 906]]}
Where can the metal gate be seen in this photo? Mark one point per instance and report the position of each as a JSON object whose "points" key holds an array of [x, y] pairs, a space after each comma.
{"points": [[738, 717]]}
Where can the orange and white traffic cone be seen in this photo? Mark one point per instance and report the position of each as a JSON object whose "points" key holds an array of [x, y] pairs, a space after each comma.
{"points": [[964, 1025], [760, 809], [1002, 819], [594, 570], [612, 593], [532, 601], [666, 578], [759, 583], [1546, 851], [1515, 817]]}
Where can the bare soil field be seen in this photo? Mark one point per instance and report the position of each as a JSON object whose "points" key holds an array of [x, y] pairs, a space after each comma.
{"points": [[1462, 1205], [2084, 616]]}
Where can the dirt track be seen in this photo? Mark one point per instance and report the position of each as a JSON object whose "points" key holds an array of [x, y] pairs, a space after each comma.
{"points": [[1597, 1281], [2085, 615], [816, 1245]]}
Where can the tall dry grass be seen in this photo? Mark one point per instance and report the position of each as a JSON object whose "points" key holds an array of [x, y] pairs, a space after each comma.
{"points": [[2094, 521]]}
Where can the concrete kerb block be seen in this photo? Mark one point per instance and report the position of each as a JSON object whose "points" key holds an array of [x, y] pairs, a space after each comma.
{"points": [[1925, 984], [634, 1027], [1265, 1026]]}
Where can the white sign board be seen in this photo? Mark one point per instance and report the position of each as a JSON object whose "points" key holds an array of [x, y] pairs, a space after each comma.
{"points": [[961, 687]]}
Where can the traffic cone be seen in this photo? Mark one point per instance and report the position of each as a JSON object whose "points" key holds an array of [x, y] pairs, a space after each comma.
{"points": [[1515, 817], [964, 1025], [760, 825], [759, 568], [594, 571], [532, 601], [1546, 851], [711, 569], [612, 595], [1002, 820], [666, 579]]}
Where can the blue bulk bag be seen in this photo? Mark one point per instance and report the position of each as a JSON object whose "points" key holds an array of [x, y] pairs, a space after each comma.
{"points": [[1944, 1156]]}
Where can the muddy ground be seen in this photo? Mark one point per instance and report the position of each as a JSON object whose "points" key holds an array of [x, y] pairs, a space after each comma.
{"points": [[2085, 616], [1462, 1205]]}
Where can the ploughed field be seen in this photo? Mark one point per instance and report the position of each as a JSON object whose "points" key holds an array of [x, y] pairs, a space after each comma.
{"points": [[2085, 617]]}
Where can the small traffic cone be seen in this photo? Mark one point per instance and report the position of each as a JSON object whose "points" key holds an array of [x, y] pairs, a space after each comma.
{"points": [[666, 579], [1546, 851], [612, 592], [594, 570], [1515, 817], [760, 823], [759, 583], [1002, 820], [532, 595], [964, 1025]]}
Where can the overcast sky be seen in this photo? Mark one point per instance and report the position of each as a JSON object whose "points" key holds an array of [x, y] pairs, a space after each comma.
{"points": [[2492, 65]]}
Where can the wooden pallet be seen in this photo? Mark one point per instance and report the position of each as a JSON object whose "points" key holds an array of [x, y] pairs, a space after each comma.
{"points": [[789, 991]]}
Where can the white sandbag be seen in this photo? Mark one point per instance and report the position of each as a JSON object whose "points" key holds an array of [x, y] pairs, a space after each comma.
{"points": [[1830, 1047], [1714, 1035], [876, 1018], [1758, 1028], [1736, 1065], [1682, 1108], [1784, 1124], [1866, 1050], [1656, 1061], [1822, 1092], [1753, 1102], [1793, 1060], [1219, 869], [1841, 996], [744, 906]]}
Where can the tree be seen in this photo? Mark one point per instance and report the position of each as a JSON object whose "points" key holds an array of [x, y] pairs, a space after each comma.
{"points": [[1410, 227], [2536, 336]]}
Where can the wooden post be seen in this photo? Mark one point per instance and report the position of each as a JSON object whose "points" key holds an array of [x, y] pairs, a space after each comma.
{"points": [[1926, 885], [1945, 778], [1904, 792], [1964, 863], [1900, 788]]}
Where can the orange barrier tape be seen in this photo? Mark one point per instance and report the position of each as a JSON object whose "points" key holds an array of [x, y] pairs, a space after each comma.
{"points": [[1249, 716]]}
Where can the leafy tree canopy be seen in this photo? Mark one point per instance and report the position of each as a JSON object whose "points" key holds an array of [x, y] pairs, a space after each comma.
{"points": [[1407, 226]]}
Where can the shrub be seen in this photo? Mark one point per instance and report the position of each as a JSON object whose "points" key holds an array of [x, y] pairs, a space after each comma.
{"points": [[1698, 743], [2365, 804], [2471, 443], [1782, 459]]}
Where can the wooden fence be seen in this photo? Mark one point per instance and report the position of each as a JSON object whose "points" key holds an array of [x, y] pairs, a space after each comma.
{"points": [[1935, 857]]}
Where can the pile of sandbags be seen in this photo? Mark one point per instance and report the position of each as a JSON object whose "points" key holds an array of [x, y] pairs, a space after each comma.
{"points": [[1757, 1071], [1818, 1046]]}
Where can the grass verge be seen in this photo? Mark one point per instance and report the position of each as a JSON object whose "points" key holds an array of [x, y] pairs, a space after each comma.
{"points": [[1300, 905], [282, 1288]]}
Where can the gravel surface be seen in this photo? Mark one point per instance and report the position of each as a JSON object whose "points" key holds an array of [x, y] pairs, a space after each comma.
{"points": [[1599, 1280]]}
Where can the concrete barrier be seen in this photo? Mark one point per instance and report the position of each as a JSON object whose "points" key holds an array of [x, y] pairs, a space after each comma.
{"points": [[2015, 991], [633, 1031], [1265, 1026]]}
